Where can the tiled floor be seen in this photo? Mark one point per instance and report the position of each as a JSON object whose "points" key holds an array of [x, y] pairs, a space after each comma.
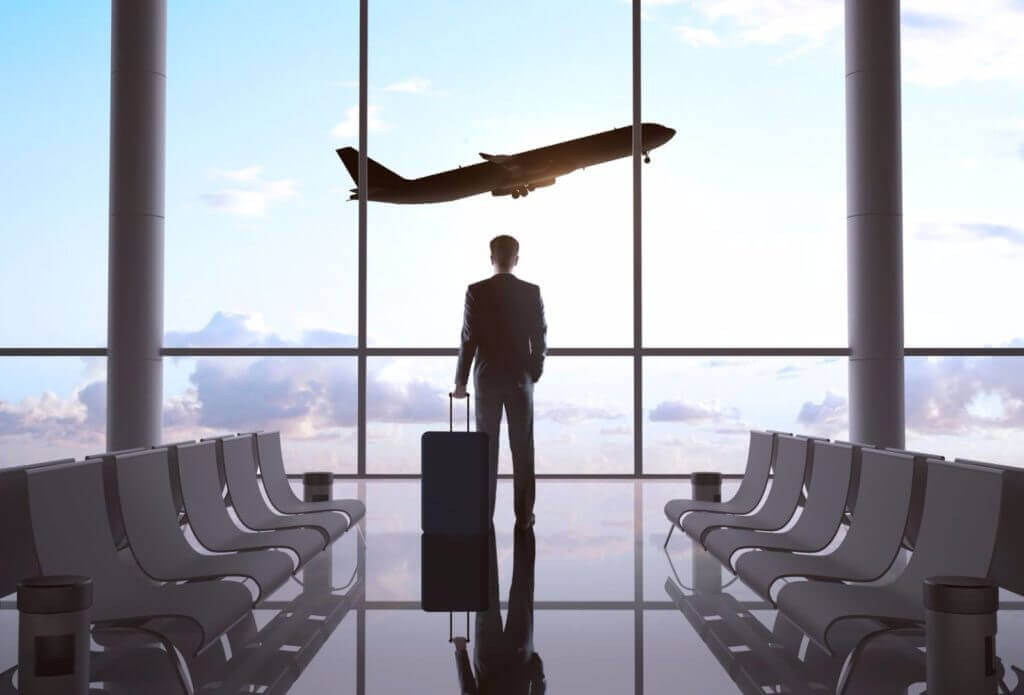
{"points": [[613, 613]]}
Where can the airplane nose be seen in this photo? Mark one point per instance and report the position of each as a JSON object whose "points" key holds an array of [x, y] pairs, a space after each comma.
{"points": [[669, 133]]}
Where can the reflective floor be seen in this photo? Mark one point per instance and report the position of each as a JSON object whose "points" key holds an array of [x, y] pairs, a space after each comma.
{"points": [[612, 612]]}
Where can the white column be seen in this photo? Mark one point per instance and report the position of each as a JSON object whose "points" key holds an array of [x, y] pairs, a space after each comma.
{"points": [[874, 226], [138, 80]]}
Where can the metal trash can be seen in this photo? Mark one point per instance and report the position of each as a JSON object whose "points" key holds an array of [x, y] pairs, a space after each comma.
{"points": [[707, 487], [316, 487], [960, 626], [53, 635]]}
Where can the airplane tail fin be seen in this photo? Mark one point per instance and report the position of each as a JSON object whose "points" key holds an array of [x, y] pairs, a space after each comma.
{"points": [[378, 174]]}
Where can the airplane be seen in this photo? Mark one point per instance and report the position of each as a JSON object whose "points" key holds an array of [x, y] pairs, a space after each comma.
{"points": [[514, 175]]}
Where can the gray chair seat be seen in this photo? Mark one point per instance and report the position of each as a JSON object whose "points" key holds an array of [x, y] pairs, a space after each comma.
{"points": [[872, 541], [151, 521], [280, 493], [209, 518], [819, 521], [72, 536], [751, 489], [957, 537], [240, 471], [780, 502]]}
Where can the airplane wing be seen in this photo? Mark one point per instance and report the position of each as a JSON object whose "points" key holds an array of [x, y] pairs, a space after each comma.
{"points": [[496, 158]]}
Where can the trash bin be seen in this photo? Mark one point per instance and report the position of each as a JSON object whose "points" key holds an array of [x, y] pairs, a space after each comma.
{"points": [[53, 635], [316, 487], [707, 487], [960, 627]]}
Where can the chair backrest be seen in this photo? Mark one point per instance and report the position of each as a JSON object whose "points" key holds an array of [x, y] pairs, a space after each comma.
{"points": [[271, 464], [1008, 563], [172, 470], [147, 504], [883, 498], [958, 527], [829, 485], [755, 477], [17, 548], [202, 491], [917, 496], [69, 521], [114, 514], [791, 459], [237, 458]]}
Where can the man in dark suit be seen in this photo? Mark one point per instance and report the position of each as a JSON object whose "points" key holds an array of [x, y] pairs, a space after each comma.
{"points": [[504, 331]]}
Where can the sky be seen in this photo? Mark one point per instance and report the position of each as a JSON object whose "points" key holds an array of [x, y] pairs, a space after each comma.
{"points": [[743, 220]]}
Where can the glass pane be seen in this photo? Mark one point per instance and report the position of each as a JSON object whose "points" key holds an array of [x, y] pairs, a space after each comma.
{"points": [[698, 412], [501, 79], [744, 213], [583, 419], [967, 407], [258, 227], [54, 138], [51, 407], [963, 84], [311, 401]]}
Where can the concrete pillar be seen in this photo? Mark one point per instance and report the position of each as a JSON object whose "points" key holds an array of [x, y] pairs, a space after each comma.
{"points": [[874, 225], [138, 81]]}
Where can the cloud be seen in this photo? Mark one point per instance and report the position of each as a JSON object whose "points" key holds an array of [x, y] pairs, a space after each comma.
{"points": [[697, 37], [571, 413], [413, 85], [698, 413], [78, 419], [251, 195], [957, 395], [227, 329], [616, 431], [831, 414], [1013, 235], [790, 371], [349, 127], [944, 42]]}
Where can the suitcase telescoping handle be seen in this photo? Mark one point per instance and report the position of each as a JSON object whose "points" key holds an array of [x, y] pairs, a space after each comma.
{"points": [[451, 411]]}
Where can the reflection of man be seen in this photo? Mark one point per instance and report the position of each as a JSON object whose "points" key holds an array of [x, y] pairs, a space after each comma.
{"points": [[504, 658], [504, 331]]}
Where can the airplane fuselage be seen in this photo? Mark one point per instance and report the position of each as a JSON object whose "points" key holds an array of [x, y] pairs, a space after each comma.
{"points": [[520, 173]]}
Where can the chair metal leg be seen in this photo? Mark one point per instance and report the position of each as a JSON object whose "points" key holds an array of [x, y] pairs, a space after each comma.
{"points": [[669, 536], [855, 654]]}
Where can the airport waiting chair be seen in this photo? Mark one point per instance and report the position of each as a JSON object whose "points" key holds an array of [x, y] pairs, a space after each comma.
{"points": [[72, 536], [209, 518], [158, 543], [237, 456], [917, 497], [819, 520], [957, 538], [279, 491], [871, 543], [780, 503], [751, 489]]}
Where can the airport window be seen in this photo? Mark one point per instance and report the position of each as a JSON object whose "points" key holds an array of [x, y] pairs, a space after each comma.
{"points": [[740, 282]]}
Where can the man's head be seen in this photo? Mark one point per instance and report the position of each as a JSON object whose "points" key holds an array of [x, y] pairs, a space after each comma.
{"points": [[504, 253]]}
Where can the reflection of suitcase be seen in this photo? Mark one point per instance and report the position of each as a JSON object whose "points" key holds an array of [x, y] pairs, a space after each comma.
{"points": [[454, 572], [456, 480]]}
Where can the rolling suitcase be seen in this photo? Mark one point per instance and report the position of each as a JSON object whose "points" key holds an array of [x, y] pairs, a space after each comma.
{"points": [[456, 480]]}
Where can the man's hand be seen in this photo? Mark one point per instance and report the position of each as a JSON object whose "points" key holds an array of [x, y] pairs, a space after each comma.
{"points": [[460, 391]]}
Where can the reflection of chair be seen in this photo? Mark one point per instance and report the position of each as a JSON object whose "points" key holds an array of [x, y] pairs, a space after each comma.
{"points": [[240, 471], [871, 542], [819, 521], [957, 537], [275, 482], [751, 489], [780, 503], [72, 536], [209, 519], [156, 539]]}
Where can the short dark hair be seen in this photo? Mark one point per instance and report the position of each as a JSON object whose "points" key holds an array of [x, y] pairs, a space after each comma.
{"points": [[504, 248]]}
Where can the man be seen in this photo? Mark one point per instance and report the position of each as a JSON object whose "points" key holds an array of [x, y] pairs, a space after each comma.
{"points": [[504, 331], [504, 657]]}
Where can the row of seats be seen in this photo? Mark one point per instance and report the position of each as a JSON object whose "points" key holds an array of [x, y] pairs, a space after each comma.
{"points": [[166, 533], [862, 505]]}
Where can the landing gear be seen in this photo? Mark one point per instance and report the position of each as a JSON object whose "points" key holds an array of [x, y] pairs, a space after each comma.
{"points": [[515, 194], [647, 158], [521, 192]]}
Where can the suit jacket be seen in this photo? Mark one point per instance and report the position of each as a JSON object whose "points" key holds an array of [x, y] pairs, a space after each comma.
{"points": [[504, 331]]}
